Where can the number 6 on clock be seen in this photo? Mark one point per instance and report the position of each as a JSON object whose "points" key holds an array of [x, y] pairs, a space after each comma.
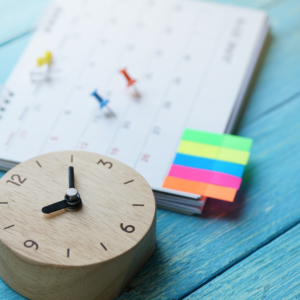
{"points": [[128, 228]]}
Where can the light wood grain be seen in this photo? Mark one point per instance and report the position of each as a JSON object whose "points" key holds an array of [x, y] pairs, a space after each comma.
{"points": [[78, 255]]}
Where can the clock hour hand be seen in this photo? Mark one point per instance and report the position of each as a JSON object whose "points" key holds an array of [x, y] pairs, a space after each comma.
{"points": [[55, 207], [72, 201]]}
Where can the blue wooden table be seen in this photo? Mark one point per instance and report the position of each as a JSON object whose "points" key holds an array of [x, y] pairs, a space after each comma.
{"points": [[248, 249]]}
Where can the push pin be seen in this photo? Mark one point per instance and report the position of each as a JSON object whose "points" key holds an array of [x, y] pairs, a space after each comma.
{"points": [[43, 61], [46, 60], [131, 82], [103, 103]]}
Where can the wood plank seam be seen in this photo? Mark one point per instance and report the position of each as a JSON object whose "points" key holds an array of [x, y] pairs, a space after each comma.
{"points": [[278, 106], [239, 260], [273, 4]]}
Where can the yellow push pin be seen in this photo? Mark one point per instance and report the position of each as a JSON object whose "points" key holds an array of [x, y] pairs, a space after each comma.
{"points": [[44, 74], [46, 60]]}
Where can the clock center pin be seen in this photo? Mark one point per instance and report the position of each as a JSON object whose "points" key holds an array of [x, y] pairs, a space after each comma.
{"points": [[73, 198], [71, 194]]}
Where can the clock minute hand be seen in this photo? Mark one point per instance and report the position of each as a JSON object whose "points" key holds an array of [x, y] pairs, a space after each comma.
{"points": [[71, 178]]}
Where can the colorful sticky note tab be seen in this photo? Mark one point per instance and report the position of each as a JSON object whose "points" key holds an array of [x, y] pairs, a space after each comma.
{"points": [[209, 164]]}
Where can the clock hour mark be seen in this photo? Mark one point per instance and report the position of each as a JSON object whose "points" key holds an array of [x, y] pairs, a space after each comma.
{"points": [[137, 204], [30, 244], [9, 227], [104, 163], [3, 202], [68, 253], [19, 177], [103, 247], [12, 182], [38, 163], [128, 181], [71, 158], [128, 228]]}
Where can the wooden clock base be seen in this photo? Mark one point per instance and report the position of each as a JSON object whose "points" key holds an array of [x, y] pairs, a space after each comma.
{"points": [[99, 281], [88, 253]]}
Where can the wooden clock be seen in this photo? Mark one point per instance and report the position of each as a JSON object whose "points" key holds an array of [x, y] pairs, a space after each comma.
{"points": [[74, 225]]}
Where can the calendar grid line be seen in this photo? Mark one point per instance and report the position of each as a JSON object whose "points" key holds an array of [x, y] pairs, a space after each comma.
{"points": [[193, 103], [165, 93]]}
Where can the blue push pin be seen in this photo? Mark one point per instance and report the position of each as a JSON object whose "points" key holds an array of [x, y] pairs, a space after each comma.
{"points": [[102, 101]]}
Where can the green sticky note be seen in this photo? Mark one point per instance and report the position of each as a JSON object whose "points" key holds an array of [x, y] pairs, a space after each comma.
{"points": [[219, 140], [237, 142]]}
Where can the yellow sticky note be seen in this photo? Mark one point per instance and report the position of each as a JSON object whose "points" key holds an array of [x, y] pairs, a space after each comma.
{"points": [[214, 152]]}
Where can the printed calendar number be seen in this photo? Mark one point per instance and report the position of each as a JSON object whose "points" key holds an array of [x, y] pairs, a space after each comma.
{"points": [[23, 134], [83, 145], [114, 151], [126, 124], [156, 130], [145, 157], [97, 118], [168, 105]]}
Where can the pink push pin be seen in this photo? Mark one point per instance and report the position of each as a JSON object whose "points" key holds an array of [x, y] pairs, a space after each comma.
{"points": [[130, 82]]}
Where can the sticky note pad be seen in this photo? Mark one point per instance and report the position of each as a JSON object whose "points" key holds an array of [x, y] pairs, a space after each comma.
{"points": [[209, 164]]}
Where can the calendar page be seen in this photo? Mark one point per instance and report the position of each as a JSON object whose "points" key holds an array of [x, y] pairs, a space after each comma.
{"points": [[191, 60]]}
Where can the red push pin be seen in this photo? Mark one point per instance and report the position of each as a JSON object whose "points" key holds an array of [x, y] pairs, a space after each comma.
{"points": [[130, 83]]}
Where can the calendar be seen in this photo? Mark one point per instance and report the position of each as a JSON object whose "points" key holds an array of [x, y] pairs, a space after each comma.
{"points": [[192, 61]]}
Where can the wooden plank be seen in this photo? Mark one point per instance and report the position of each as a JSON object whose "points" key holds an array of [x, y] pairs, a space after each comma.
{"points": [[270, 273], [18, 16], [278, 80]]}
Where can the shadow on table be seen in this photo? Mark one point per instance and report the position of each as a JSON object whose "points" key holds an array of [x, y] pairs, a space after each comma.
{"points": [[137, 285], [230, 210]]}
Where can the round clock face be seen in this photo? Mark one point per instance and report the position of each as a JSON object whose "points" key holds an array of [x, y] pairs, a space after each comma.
{"points": [[118, 208]]}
